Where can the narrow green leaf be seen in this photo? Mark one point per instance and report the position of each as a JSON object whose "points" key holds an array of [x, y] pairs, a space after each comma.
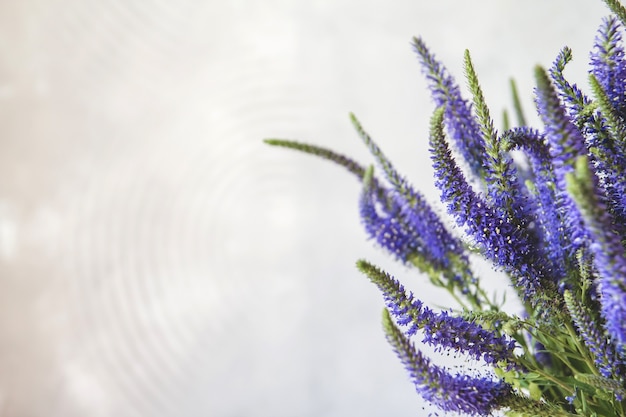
{"points": [[517, 104]]}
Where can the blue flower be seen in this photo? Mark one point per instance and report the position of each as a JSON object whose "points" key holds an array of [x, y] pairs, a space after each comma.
{"points": [[566, 143], [458, 393], [553, 222], [414, 213], [609, 256], [574, 100], [608, 63], [505, 193], [440, 329], [604, 353], [498, 238], [382, 223], [458, 114], [551, 239]]}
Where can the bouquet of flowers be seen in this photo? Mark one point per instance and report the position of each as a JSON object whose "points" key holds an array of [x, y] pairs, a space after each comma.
{"points": [[552, 220]]}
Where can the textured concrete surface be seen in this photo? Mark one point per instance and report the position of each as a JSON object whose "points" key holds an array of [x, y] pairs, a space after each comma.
{"points": [[156, 259]]}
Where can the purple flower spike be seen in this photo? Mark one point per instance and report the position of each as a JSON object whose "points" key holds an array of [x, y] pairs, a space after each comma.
{"points": [[566, 143], [440, 329], [609, 162], [415, 211], [457, 393], [594, 339], [386, 228], [608, 64], [608, 67], [458, 117], [575, 101], [499, 239], [551, 237], [608, 253], [607, 158]]}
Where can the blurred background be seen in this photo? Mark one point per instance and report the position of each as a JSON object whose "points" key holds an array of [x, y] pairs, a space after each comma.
{"points": [[157, 259]]}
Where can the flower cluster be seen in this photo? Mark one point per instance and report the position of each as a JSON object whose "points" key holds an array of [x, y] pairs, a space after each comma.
{"points": [[555, 226]]}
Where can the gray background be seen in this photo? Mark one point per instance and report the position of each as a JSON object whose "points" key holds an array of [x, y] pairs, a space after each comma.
{"points": [[156, 259]]}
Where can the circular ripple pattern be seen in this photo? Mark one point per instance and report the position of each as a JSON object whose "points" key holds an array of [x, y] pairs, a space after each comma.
{"points": [[176, 193], [165, 238]]}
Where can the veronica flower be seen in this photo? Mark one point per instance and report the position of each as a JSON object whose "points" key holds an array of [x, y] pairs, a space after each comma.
{"points": [[349, 164], [609, 254], [383, 224], [608, 64], [555, 225], [458, 112], [566, 143], [606, 156], [414, 219], [608, 133], [605, 358], [551, 238], [576, 103], [414, 209], [500, 240], [503, 189], [440, 329], [458, 393], [605, 133]]}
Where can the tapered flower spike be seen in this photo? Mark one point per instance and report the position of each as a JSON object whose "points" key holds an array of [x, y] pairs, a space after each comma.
{"points": [[614, 121], [500, 241], [551, 239], [440, 329], [608, 146], [458, 116], [606, 155], [608, 66], [566, 143], [321, 152], [593, 337], [386, 228], [502, 187], [416, 212], [485, 122], [609, 254], [578, 106], [457, 393]]}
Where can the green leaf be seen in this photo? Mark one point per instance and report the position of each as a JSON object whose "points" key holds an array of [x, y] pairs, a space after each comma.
{"points": [[517, 105]]}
